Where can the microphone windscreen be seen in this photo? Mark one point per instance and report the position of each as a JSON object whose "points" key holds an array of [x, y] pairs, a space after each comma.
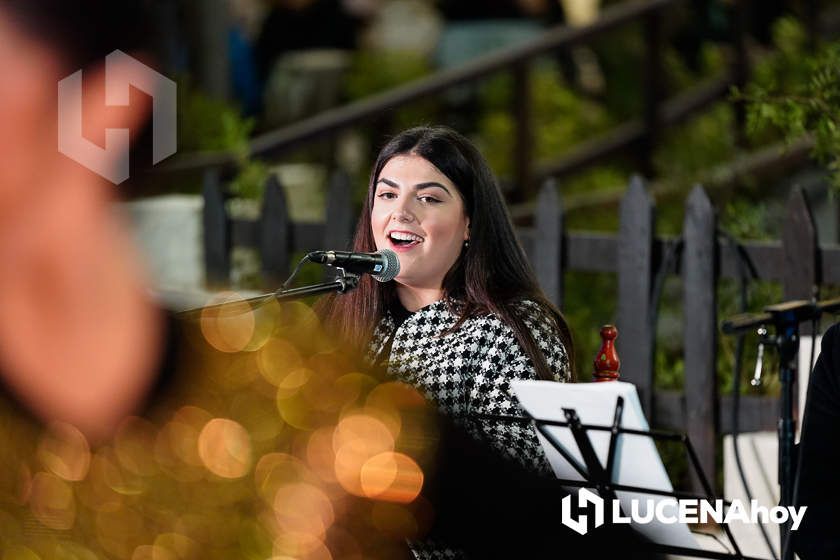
{"points": [[392, 266]]}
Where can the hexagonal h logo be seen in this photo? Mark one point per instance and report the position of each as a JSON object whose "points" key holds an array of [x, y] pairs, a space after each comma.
{"points": [[579, 525], [121, 71]]}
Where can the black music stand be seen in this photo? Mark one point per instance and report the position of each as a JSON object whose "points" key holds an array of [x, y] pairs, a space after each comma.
{"points": [[600, 478]]}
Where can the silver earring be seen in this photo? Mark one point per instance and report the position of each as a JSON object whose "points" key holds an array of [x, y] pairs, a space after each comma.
{"points": [[466, 243]]}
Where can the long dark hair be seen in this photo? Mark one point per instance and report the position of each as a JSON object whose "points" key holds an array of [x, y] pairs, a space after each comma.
{"points": [[492, 275]]}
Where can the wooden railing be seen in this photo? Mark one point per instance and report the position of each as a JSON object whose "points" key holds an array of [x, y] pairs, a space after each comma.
{"points": [[700, 257], [641, 134]]}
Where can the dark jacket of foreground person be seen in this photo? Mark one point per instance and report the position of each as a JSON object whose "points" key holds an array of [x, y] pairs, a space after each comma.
{"points": [[818, 485]]}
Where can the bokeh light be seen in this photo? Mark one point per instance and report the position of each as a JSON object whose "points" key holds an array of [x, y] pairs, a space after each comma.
{"points": [[225, 448], [277, 358], [356, 439], [134, 439], [330, 449], [393, 477], [51, 501], [120, 531], [64, 451], [275, 470], [227, 322], [304, 510], [19, 553], [320, 454]]}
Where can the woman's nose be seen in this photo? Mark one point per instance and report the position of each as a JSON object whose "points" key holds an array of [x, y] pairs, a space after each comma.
{"points": [[402, 213]]}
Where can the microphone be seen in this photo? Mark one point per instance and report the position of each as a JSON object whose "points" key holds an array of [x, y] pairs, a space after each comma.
{"points": [[382, 265]]}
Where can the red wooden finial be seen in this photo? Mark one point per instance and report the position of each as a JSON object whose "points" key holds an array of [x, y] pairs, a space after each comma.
{"points": [[607, 364]]}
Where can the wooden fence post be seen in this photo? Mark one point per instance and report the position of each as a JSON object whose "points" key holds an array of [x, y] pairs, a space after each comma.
{"points": [[275, 233], [801, 249], [803, 270], [699, 304], [217, 230], [548, 242], [338, 229], [635, 279]]}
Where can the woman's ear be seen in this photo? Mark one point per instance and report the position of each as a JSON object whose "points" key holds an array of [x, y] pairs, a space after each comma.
{"points": [[467, 230]]}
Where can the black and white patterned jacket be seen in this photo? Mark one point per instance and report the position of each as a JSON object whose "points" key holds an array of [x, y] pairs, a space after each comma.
{"points": [[468, 371]]}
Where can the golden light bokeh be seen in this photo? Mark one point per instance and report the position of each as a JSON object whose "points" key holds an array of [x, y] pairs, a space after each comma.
{"points": [[134, 440], [64, 451], [297, 320], [303, 510], [297, 412], [258, 416], [392, 477], [149, 552], [277, 358], [320, 454], [225, 448], [350, 386], [120, 531], [118, 479], [396, 394], [299, 547], [95, 493], [227, 322], [51, 501], [24, 485], [175, 546], [19, 553], [357, 439], [178, 439], [275, 470], [265, 323], [292, 381], [327, 444]]}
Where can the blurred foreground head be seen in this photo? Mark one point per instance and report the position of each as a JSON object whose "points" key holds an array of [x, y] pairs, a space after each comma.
{"points": [[78, 338]]}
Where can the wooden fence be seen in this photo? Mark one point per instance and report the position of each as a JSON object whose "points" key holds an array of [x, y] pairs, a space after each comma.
{"points": [[638, 136], [699, 257]]}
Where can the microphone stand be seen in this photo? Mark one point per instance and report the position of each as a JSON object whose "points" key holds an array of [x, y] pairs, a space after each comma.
{"points": [[343, 282], [785, 317]]}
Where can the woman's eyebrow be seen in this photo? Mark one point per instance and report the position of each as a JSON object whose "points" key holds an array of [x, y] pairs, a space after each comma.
{"points": [[417, 187], [430, 184], [388, 182]]}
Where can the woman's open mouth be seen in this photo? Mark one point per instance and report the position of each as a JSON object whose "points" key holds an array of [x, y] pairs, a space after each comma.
{"points": [[404, 240]]}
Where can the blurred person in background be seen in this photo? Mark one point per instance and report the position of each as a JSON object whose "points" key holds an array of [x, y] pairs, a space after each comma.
{"points": [[79, 337], [246, 19]]}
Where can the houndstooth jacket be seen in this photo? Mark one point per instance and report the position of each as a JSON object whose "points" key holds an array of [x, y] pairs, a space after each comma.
{"points": [[468, 372]]}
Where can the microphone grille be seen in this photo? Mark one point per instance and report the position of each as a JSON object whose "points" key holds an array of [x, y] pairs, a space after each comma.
{"points": [[392, 266]]}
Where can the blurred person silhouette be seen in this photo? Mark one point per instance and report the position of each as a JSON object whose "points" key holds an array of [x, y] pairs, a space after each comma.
{"points": [[246, 19], [819, 455], [80, 339], [293, 25]]}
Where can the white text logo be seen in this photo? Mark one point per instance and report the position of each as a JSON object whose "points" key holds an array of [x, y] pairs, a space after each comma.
{"points": [[670, 511]]}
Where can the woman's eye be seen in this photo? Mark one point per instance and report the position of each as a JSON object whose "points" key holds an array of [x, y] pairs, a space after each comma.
{"points": [[387, 195], [428, 199]]}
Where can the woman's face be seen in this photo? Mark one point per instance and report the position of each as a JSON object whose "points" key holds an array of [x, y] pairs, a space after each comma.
{"points": [[418, 213]]}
